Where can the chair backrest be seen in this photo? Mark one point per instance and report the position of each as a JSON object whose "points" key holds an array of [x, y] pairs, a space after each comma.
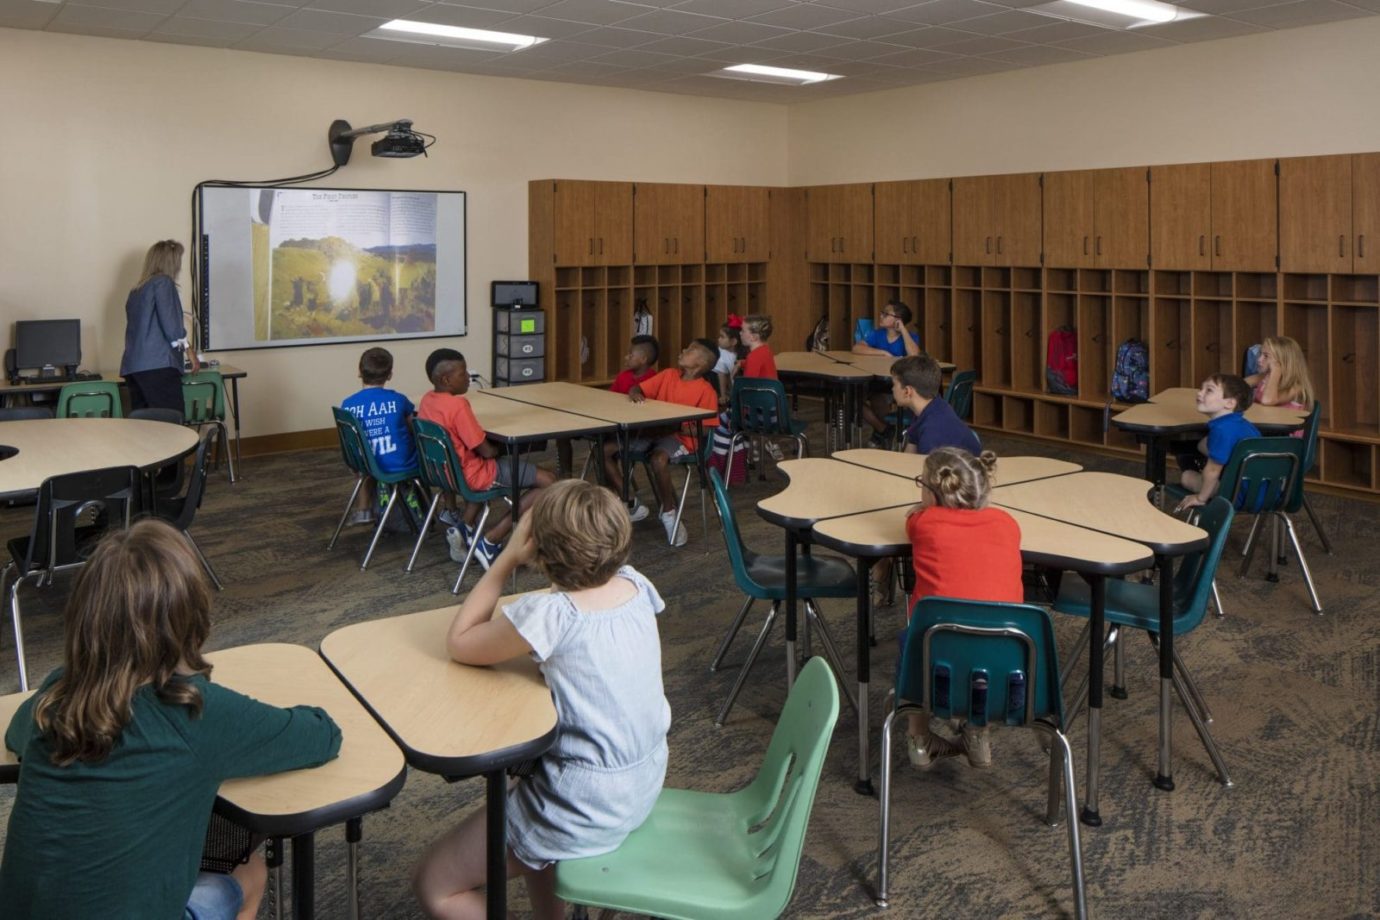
{"points": [[862, 328], [203, 396], [437, 462], [66, 499], [739, 556], [90, 399], [1193, 578], [759, 406], [959, 395], [775, 806], [354, 447], [196, 484], [157, 414], [986, 662], [25, 413], [1260, 474], [1310, 456]]}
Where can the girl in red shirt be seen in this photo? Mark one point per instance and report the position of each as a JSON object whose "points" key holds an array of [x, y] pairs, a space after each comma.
{"points": [[960, 548], [760, 362]]}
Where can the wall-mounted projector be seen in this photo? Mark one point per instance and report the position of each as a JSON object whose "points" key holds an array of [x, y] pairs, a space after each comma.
{"points": [[400, 141]]}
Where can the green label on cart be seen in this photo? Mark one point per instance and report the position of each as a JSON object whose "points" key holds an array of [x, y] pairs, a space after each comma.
{"points": [[527, 325]]}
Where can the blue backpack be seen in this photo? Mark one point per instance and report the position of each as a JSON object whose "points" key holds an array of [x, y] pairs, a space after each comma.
{"points": [[1251, 366], [1131, 373]]}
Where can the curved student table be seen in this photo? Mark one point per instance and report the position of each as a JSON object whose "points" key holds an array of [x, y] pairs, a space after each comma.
{"points": [[365, 777], [1009, 469], [843, 383], [52, 447], [877, 365], [451, 719]]}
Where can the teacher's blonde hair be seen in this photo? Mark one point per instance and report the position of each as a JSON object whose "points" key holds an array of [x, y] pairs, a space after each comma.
{"points": [[163, 258]]}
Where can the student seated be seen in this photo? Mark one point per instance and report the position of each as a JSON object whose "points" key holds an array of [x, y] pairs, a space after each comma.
{"points": [[639, 364], [1222, 398], [123, 748], [960, 548], [915, 386], [384, 415], [759, 363], [732, 351], [447, 406], [890, 337], [595, 637], [684, 384], [1281, 377]]}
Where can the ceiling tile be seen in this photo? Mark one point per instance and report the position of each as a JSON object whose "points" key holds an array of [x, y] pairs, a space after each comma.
{"points": [[739, 33], [1003, 22], [368, 50], [669, 22], [1220, 7], [330, 24], [511, 7], [583, 69], [1056, 31], [681, 44], [870, 6], [932, 37], [942, 12], [542, 27], [744, 54], [79, 29], [1208, 28], [866, 27], [804, 16], [1372, 5], [982, 44], [92, 17], [27, 15], [261, 14], [290, 41], [187, 40], [390, 9], [1115, 43], [801, 41], [467, 17], [594, 12], [434, 56], [633, 58], [613, 37], [732, 9], [186, 27], [912, 57], [1305, 12], [969, 66], [1039, 55], [861, 51], [166, 7]]}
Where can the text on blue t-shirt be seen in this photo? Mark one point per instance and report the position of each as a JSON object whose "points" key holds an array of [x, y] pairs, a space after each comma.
{"points": [[383, 413]]}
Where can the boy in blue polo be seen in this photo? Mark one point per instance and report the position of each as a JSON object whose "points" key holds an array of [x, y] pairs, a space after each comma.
{"points": [[915, 386], [384, 414], [891, 337], [1222, 398]]}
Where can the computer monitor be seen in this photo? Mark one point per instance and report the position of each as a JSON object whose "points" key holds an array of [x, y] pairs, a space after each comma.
{"points": [[40, 344]]}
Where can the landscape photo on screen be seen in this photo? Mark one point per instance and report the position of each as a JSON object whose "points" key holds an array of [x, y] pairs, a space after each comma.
{"points": [[343, 264]]}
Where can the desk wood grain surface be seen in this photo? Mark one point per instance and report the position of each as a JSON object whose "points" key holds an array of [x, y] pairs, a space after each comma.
{"points": [[1009, 470], [510, 419], [1180, 404], [51, 447], [1106, 502], [813, 364], [616, 408]]}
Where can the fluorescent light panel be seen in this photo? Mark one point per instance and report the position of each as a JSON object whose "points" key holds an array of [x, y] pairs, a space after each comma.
{"points": [[1144, 10], [1116, 14], [453, 36], [766, 74]]}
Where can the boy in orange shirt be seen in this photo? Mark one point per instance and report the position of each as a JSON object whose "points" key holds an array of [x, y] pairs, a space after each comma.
{"points": [[684, 384], [447, 406]]}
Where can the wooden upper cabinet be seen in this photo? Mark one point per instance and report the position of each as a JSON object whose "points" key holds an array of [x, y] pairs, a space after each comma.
{"points": [[1315, 214], [1121, 218], [839, 223], [912, 221], [592, 222], [668, 224], [737, 223], [1070, 225], [1365, 210], [1181, 216], [972, 221], [1245, 213], [1016, 218]]}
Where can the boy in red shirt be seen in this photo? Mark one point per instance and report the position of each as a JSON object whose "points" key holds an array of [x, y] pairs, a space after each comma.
{"points": [[685, 385], [447, 406]]}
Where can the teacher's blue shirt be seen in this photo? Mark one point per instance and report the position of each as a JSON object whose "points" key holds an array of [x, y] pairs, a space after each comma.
{"points": [[153, 321]]}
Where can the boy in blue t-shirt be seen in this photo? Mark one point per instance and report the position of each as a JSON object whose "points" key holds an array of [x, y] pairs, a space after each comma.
{"points": [[891, 337], [915, 386], [384, 414], [1222, 397]]}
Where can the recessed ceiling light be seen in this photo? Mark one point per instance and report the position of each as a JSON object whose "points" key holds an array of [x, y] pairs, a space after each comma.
{"points": [[431, 33], [1116, 14], [762, 74]]}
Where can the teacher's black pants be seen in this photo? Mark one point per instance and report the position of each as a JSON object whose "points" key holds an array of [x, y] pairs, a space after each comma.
{"points": [[156, 389]]}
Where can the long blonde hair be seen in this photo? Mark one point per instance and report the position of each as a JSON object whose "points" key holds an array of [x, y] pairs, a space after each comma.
{"points": [[163, 258], [957, 478], [140, 608], [1293, 383]]}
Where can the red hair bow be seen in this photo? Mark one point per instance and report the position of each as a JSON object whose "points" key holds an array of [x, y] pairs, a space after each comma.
{"points": [[735, 321]]}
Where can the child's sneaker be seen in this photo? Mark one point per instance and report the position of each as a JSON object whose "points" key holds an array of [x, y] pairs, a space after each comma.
{"points": [[675, 531], [450, 518], [977, 743], [775, 451], [486, 552], [637, 511], [458, 543], [934, 748]]}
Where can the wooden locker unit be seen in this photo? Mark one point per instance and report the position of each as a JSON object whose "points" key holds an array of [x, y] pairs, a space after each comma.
{"points": [[1245, 213], [592, 222], [1070, 226], [668, 224], [972, 221], [839, 222], [1315, 214], [737, 223], [1365, 211], [912, 222], [1122, 218], [1016, 219]]}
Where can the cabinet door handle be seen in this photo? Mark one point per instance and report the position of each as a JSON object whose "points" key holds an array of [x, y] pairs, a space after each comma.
{"points": [[999, 245], [1341, 246], [989, 245], [1098, 249], [601, 245], [1361, 246], [665, 246], [1217, 245], [1085, 245], [676, 249], [1202, 243], [842, 240], [591, 245], [913, 245]]}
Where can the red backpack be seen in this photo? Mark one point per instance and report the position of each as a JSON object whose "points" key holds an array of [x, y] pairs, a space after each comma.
{"points": [[1061, 361]]}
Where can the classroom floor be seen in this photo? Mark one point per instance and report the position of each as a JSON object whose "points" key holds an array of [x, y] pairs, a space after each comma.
{"points": [[1294, 695]]}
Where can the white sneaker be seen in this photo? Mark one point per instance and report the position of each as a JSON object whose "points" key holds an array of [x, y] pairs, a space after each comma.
{"points": [[676, 533], [458, 539], [775, 451], [977, 744], [637, 511], [935, 747]]}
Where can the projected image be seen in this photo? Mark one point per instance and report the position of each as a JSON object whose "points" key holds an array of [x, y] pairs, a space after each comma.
{"points": [[343, 264]]}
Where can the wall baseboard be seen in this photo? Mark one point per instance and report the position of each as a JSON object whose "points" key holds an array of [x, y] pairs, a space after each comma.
{"points": [[289, 441]]}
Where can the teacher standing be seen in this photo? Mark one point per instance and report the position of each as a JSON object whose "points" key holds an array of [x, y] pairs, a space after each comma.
{"points": [[155, 336]]}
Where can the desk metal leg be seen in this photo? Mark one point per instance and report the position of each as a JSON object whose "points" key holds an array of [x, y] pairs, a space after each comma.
{"points": [[1096, 644], [1164, 778], [1155, 464], [495, 801], [304, 876], [235, 414], [514, 471], [791, 547], [864, 646], [273, 855], [354, 830]]}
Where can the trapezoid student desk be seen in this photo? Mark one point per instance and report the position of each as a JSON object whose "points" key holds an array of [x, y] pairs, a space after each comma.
{"points": [[54, 447], [843, 385], [450, 719], [365, 777]]}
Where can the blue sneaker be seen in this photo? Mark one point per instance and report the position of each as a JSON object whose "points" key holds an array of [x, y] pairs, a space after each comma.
{"points": [[486, 552]]}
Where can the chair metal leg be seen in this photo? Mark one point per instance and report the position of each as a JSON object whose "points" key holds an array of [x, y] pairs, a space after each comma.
{"points": [[225, 446], [1272, 574], [589, 461], [469, 553], [1204, 734], [1250, 537], [831, 652], [354, 830], [1118, 688], [18, 627], [728, 461], [747, 665], [1303, 563], [1217, 601], [1249, 550], [205, 563], [349, 504], [273, 853], [425, 529], [884, 801], [732, 634], [680, 509], [1054, 803], [378, 531], [1080, 895], [1194, 699], [1317, 526], [802, 447]]}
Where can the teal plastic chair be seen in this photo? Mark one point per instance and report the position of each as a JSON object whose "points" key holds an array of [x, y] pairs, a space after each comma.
{"points": [[691, 462], [991, 664], [1298, 499], [203, 404], [731, 856], [759, 408], [90, 399], [355, 451], [1134, 605], [959, 395], [763, 578], [440, 471], [862, 328]]}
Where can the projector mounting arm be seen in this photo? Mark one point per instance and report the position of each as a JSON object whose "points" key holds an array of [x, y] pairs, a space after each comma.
{"points": [[341, 136]]}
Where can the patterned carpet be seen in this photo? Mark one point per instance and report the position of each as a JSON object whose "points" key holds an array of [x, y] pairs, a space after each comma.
{"points": [[1294, 696]]}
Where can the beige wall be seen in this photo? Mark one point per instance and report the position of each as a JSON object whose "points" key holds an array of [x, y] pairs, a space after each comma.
{"points": [[106, 138], [1297, 92]]}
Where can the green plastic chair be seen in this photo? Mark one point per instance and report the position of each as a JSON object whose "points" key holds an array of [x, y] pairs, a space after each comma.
{"points": [[1134, 605], [1299, 499], [959, 395], [203, 404], [955, 648], [439, 470], [763, 578], [355, 451], [733, 856], [90, 399], [759, 409]]}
